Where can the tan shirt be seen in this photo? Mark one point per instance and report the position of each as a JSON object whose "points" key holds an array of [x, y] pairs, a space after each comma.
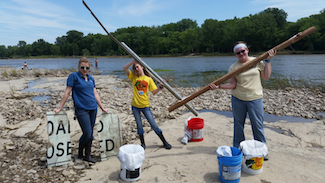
{"points": [[249, 86]]}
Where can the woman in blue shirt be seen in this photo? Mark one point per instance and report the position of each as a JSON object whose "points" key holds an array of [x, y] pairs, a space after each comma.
{"points": [[86, 99]]}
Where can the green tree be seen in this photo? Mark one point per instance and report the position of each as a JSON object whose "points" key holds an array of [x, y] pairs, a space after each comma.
{"points": [[3, 51], [75, 37], [87, 41], [105, 44], [55, 50], [86, 52], [308, 43], [61, 43], [280, 16], [13, 51], [320, 26], [175, 42], [75, 49], [260, 31], [22, 48], [41, 47], [95, 46], [165, 43], [185, 24], [190, 40], [209, 34]]}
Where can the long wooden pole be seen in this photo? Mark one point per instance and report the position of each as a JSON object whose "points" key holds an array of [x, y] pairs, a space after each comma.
{"points": [[243, 68], [138, 59]]}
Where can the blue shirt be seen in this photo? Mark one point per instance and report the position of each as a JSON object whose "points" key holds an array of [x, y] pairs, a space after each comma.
{"points": [[82, 91]]}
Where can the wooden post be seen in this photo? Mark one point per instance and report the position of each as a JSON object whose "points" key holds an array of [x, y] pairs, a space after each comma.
{"points": [[243, 68]]}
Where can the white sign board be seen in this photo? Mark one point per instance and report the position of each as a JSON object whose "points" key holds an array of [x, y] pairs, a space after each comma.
{"points": [[109, 135], [58, 129]]}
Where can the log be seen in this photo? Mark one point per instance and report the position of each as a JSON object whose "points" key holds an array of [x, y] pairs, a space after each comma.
{"points": [[243, 68]]}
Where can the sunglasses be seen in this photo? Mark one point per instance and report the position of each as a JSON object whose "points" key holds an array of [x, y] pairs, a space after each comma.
{"points": [[83, 67], [238, 53]]}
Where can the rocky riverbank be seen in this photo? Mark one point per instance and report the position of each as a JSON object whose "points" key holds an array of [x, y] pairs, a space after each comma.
{"points": [[23, 152]]}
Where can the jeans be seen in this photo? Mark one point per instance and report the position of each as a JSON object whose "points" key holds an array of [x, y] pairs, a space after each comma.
{"points": [[255, 111], [86, 119], [148, 114]]}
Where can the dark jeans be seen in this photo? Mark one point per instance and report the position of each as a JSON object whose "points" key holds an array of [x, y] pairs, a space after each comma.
{"points": [[86, 119]]}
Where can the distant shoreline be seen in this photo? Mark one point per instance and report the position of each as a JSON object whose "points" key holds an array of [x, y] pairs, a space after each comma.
{"points": [[284, 52]]}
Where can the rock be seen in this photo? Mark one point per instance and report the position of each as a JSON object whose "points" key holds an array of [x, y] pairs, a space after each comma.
{"points": [[79, 167], [1, 146], [10, 147], [66, 173], [23, 152], [31, 171]]}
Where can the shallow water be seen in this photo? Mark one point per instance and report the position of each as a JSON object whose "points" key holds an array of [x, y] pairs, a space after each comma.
{"points": [[32, 83], [41, 99]]}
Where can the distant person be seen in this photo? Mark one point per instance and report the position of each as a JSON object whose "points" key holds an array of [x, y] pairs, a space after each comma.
{"points": [[142, 84], [91, 62], [25, 66], [86, 100], [247, 93], [96, 62]]}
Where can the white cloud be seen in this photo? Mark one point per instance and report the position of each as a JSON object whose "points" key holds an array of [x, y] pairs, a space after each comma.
{"points": [[34, 13]]}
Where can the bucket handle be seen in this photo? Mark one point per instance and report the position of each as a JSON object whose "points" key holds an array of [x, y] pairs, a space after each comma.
{"points": [[239, 152]]}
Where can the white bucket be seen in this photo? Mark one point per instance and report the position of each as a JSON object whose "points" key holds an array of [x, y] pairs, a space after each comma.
{"points": [[253, 156], [131, 157]]}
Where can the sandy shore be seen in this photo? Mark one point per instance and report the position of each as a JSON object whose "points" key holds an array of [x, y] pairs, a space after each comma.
{"points": [[293, 156], [297, 150]]}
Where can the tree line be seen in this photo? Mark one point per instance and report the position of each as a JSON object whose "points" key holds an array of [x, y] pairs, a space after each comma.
{"points": [[261, 31]]}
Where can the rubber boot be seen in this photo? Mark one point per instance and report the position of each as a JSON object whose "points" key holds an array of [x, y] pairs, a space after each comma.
{"points": [[81, 151], [87, 153], [162, 138], [142, 141]]}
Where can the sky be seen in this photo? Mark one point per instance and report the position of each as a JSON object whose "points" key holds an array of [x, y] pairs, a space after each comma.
{"points": [[30, 20]]}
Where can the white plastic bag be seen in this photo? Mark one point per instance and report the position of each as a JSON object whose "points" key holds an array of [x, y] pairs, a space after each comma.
{"points": [[224, 151], [131, 156], [187, 134], [253, 148]]}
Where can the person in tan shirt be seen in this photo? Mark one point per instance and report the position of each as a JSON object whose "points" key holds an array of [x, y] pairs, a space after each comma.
{"points": [[247, 93]]}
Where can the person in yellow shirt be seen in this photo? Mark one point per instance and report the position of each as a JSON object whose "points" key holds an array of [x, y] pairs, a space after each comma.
{"points": [[247, 93], [142, 83]]}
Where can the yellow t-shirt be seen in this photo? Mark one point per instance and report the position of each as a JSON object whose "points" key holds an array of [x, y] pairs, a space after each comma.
{"points": [[249, 86], [141, 86]]}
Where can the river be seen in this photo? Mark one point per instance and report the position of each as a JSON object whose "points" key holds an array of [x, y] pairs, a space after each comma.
{"points": [[189, 71]]}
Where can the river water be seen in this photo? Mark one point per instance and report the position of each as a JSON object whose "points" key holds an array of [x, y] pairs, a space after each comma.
{"points": [[189, 70]]}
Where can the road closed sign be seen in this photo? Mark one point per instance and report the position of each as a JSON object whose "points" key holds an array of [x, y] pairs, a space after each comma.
{"points": [[109, 135], [58, 129]]}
